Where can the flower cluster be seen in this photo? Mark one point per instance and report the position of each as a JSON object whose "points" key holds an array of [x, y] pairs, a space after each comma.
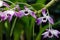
{"points": [[25, 12], [8, 14], [50, 32]]}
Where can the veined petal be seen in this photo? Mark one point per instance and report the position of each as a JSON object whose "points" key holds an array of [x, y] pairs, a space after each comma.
{"points": [[50, 20], [44, 12], [39, 20], [5, 4], [33, 14]]}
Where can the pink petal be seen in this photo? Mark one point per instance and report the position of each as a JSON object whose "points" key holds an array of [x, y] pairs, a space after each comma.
{"points": [[33, 15], [5, 4], [10, 18], [57, 35], [17, 6], [50, 20], [19, 14], [39, 21], [44, 12], [45, 36]]}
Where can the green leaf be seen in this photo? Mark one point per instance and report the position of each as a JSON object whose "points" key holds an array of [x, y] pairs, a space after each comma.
{"points": [[41, 1], [28, 23], [7, 29], [17, 30], [38, 6], [18, 0], [1, 29]]}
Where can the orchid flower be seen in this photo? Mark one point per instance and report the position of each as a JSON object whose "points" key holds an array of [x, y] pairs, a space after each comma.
{"points": [[44, 18], [3, 4], [9, 14], [3, 16], [25, 12], [50, 33]]}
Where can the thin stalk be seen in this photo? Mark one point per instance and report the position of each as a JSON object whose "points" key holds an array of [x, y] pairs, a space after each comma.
{"points": [[48, 5], [1, 29], [13, 26]]}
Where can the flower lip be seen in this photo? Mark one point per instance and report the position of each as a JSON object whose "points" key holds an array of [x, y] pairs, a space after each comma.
{"points": [[44, 19], [50, 34], [26, 12], [8, 14]]}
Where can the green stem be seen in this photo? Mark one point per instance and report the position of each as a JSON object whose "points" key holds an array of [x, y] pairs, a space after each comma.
{"points": [[1, 29], [28, 6], [13, 26], [10, 2], [7, 27], [48, 5]]}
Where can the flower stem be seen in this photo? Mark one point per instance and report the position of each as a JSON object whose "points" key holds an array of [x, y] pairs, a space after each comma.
{"points": [[1, 29], [13, 26], [10, 2], [48, 5]]}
